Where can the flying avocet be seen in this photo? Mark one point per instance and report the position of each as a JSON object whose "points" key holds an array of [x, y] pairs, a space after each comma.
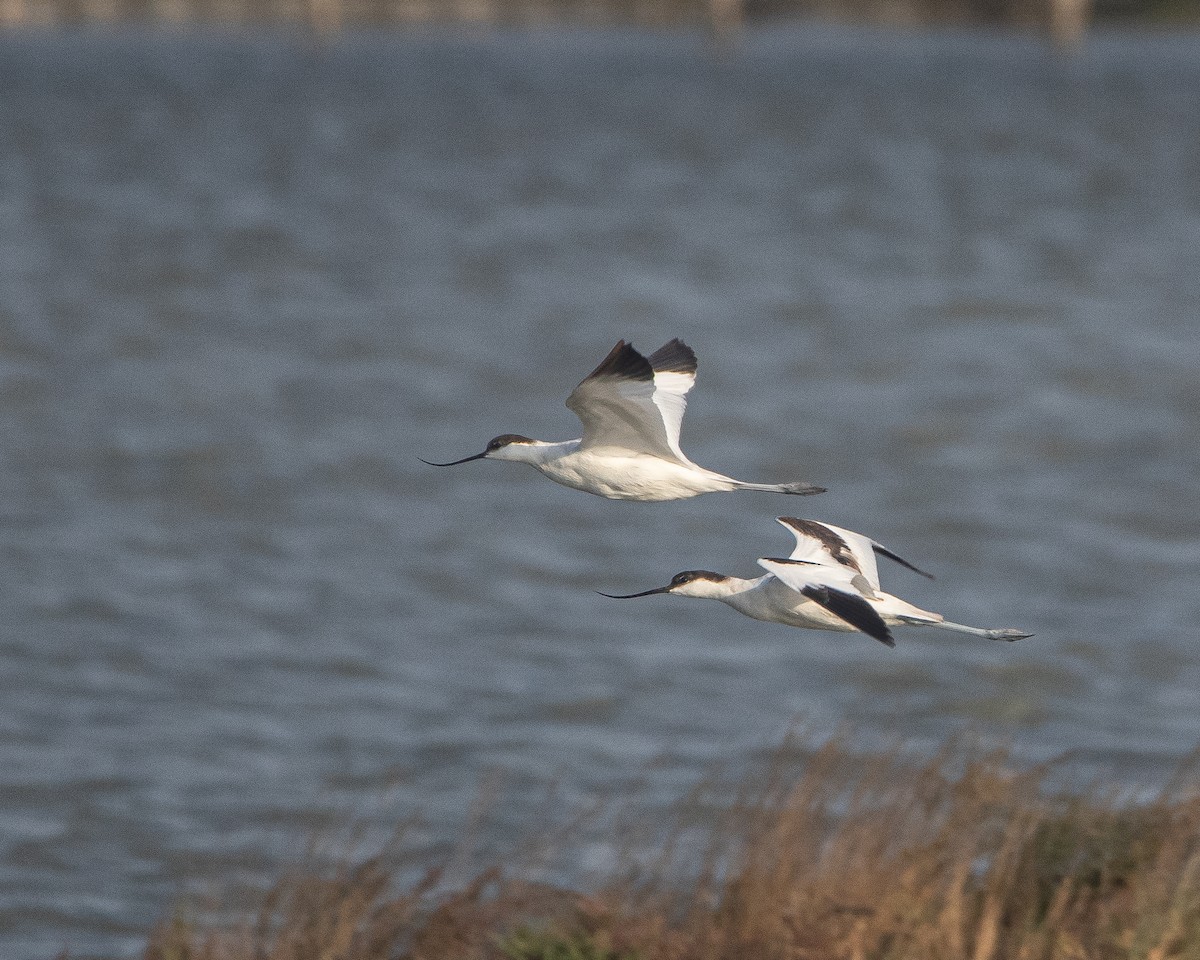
{"points": [[830, 582], [632, 408]]}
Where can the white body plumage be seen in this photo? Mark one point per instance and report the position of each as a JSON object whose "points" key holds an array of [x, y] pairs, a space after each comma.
{"points": [[632, 410], [830, 582]]}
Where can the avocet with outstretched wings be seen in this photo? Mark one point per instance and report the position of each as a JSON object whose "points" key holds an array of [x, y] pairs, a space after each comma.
{"points": [[830, 582], [632, 409]]}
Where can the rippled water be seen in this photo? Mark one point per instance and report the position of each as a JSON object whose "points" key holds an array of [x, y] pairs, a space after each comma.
{"points": [[245, 282]]}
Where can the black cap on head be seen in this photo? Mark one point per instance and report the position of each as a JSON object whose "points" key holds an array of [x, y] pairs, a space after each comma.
{"points": [[689, 575], [505, 439]]}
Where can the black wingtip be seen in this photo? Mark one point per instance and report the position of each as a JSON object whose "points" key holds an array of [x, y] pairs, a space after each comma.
{"points": [[896, 558], [675, 356], [624, 362], [854, 610]]}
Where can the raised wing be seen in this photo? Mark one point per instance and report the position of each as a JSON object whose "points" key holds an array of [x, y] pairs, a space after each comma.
{"points": [[674, 366], [836, 588], [616, 404], [830, 546], [823, 543]]}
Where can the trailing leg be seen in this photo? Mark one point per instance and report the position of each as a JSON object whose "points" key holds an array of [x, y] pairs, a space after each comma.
{"points": [[1001, 634]]}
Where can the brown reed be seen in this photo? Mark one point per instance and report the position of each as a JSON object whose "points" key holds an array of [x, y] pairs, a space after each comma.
{"points": [[826, 854]]}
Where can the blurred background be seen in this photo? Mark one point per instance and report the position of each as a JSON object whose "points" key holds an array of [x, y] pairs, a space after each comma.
{"points": [[247, 277]]}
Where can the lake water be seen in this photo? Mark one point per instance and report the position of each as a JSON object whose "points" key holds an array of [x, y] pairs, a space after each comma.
{"points": [[246, 281]]}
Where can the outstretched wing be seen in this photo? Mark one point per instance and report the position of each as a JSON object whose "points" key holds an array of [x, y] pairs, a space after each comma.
{"points": [[674, 366], [823, 543], [836, 588], [616, 404], [830, 546]]}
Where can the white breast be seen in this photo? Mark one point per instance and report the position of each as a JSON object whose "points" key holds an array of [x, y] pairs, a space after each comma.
{"points": [[624, 477]]}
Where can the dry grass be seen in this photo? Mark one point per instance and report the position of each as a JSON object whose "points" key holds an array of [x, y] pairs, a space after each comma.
{"points": [[838, 857]]}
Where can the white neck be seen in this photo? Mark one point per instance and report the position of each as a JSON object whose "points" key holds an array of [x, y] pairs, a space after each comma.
{"points": [[748, 599], [724, 590]]}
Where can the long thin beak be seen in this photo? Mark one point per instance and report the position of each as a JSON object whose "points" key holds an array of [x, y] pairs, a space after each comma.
{"points": [[454, 463], [630, 596]]}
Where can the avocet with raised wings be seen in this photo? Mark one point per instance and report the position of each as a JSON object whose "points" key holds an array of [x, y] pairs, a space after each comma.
{"points": [[632, 408], [830, 582]]}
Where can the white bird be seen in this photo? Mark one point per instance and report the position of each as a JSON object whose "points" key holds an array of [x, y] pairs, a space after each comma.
{"points": [[830, 582], [632, 408]]}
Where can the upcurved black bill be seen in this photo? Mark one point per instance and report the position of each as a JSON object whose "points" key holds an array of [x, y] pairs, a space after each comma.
{"points": [[454, 463], [630, 596]]}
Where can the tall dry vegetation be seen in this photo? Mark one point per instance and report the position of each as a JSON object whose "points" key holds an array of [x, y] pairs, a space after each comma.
{"points": [[842, 858]]}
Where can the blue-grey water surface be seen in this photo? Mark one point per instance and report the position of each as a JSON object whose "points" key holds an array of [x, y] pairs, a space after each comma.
{"points": [[245, 281]]}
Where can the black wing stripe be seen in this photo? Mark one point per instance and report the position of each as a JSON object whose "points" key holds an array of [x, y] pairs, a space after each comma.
{"points": [[854, 610], [885, 552], [673, 357], [833, 543], [625, 363]]}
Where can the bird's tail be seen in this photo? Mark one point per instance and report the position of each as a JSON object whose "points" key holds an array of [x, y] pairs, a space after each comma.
{"points": [[799, 488]]}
